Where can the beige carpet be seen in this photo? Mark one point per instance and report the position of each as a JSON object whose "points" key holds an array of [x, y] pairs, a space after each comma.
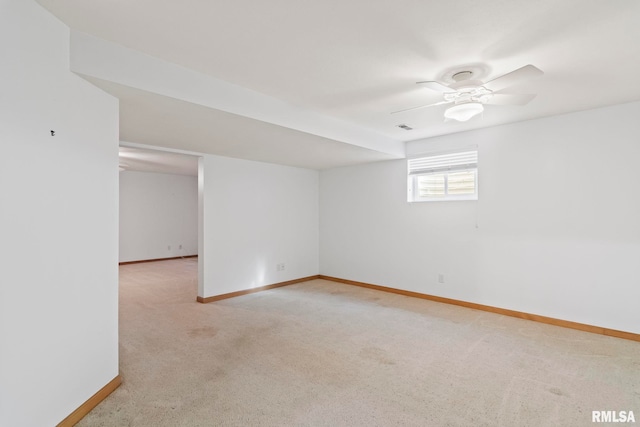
{"points": [[326, 354]]}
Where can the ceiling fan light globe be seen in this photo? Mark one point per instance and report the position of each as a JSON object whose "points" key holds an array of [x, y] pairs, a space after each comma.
{"points": [[463, 112]]}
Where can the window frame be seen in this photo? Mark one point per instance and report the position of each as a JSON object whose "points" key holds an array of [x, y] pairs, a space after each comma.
{"points": [[443, 169]]}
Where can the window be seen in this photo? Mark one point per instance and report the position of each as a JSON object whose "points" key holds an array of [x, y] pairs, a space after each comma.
{"points": [[451, 176]]}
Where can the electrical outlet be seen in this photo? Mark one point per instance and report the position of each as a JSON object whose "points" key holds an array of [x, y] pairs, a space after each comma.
{"points": [[440, 278], [280, 267], [180, 247], [169, 247]]}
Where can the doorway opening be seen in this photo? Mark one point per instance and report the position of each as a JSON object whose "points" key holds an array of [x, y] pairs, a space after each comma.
{"points": [[159, 204]]}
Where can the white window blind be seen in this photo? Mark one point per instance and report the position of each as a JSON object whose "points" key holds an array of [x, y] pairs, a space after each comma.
{"points": [[444, 162], [450, 176]]}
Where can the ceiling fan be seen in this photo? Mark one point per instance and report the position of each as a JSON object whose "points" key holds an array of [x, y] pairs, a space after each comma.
{"points": [[469, 96]]}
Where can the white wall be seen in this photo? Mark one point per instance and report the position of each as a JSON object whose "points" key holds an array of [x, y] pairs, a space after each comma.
{"points": [[255, 216], [558, 229], [158, 214], [58, 224]]}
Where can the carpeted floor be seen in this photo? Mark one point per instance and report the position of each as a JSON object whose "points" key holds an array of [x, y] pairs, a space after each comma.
{"points": [[326, 354]]}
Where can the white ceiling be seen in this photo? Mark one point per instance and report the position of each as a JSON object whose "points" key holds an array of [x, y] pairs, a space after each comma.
{"points": [[161, 121], [357, 61]]}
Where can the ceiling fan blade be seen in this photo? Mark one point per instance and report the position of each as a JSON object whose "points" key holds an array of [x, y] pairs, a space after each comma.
{"points": [[510, 99], [437, 86], [525, 73], [421, 106]]}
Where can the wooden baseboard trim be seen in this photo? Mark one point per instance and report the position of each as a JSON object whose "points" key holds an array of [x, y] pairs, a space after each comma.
{"points": [[512, 313], [206, 300], [91, 403], [156, 259]]}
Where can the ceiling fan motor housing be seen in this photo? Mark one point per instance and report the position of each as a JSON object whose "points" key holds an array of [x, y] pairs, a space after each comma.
{"points": [[468, 91]]}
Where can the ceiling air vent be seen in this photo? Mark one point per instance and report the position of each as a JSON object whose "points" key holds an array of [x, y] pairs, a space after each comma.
{"points": [[405, 127]]}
